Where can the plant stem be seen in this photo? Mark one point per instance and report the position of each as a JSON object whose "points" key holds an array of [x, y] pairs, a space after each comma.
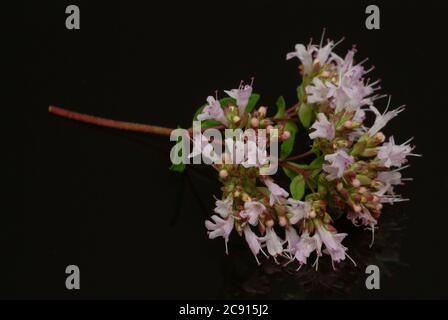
{"points": [[303, 172], [109, 123], [303, 155]]}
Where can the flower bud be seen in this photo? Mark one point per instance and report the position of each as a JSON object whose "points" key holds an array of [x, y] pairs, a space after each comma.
{"points": [[262, 111], [369, 152], [312, 214], [286, 135], [223, 174], [348, 124], [254, 122], [282, 221], [339, 186], [245, 197], [236, 119], [357, 208], [356, 183], [270, 223], [325, 74]]}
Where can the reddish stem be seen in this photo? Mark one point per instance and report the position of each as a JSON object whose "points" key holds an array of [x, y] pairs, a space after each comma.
{"points": [[303, 155], [109, 123]]}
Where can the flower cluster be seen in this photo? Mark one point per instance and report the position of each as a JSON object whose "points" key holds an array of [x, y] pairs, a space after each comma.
{"points": [[353, 167]]}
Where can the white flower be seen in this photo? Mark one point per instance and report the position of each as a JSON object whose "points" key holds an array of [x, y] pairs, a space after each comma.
{"points": [[224, 207], [292, 238], [273, 243], [323, 53], [298, 210], [305, 55], [220, 228], [252, 209], [391, 154], [276, 191], [350, 97], [241, 95], [256, 156], [254, 242], [200, 144], [339, 161], [323, 128], [213, 111], [317, 91], [382, 119], [332, 243], [306, 246]]}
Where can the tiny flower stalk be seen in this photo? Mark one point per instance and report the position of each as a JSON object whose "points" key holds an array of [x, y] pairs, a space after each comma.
{"points": [[351, 166]]}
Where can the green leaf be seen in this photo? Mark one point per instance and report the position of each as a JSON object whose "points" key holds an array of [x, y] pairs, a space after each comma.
{"points": [[252, 102], [281, 106], [289, 173], [297, 187], [180, 167], [227, 101], [288, 145], [305, 114], [317, 163]]}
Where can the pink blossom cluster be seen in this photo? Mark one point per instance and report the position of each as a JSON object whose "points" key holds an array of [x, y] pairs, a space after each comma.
{"points": [[352, 168]]}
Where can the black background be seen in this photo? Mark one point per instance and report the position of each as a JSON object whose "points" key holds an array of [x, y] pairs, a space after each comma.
{"points": [[105, 200]]}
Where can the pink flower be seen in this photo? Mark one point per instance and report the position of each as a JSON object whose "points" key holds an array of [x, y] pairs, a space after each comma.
{"points": [[224, 207], [213, 111], [323, 53], [220, 228], [339, 161], [388, 179], [252, 209], [292, 238], [317, 91], [306, 246], [241, 95], [298, 210], [305, 55], [391, 154], [323, 128], [332, 243], [254, 242], [363, 216], [359, 115], [276, 191], [273, 243]]}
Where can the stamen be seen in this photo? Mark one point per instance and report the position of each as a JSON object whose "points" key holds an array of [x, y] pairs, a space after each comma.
{"points": [[322, 37], [354, 263]]}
